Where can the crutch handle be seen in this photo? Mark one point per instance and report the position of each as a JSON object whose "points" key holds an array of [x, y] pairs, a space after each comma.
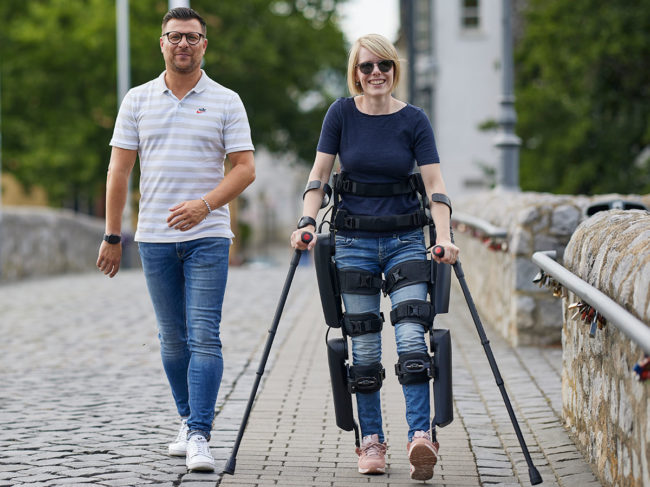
{"points": [[306, 237], [439, 251]]}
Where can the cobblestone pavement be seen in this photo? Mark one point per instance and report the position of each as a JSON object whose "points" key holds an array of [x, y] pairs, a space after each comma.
{"points": [[84, 401]]}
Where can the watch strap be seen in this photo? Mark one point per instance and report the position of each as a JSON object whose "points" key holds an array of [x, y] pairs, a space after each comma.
{"points": [[112, 238]]}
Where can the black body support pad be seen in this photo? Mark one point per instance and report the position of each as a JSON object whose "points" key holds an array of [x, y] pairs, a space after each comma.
{"points": [[441, 279], [337, 354], [442, 384], [330, 294]]}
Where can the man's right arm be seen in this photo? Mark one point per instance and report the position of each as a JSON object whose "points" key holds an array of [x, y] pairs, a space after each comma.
{"points": [[117, 180]]}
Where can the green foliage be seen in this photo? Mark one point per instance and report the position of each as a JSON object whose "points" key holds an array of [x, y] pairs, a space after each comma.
{"points": [[286, 59], [583, 96]]}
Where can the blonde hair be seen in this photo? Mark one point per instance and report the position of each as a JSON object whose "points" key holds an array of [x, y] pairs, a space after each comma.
{"points": [[380, 47]]}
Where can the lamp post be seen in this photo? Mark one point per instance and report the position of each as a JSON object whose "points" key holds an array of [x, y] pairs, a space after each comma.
{"points": [[410, 45], [123, 85], [506, 140], [1, 175]]}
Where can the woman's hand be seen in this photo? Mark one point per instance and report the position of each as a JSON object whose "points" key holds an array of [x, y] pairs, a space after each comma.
{"points": [[296, 238], [450, 255]]}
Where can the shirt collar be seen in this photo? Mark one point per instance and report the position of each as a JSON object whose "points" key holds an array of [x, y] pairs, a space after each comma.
{"points": [[200, 86]]}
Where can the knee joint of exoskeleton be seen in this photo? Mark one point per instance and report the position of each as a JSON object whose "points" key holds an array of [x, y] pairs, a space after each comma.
{"points": [[366, 378], [414, 367]]}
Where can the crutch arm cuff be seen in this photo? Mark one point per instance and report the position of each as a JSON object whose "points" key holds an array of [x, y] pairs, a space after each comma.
{"points": [[315, 184], [442, 198]]}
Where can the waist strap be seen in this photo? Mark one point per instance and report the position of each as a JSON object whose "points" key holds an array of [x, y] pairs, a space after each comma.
{"points": [[384, 223]]}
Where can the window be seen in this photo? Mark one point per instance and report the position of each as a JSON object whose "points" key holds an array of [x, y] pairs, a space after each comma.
{"points": [[470, 14]]}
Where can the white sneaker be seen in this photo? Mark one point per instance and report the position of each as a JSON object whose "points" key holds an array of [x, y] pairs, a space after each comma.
{"points": [[198, 454], [179, 446]]}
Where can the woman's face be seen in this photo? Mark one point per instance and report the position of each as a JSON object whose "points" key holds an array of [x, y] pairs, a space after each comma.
{"points": [[377, 82]]}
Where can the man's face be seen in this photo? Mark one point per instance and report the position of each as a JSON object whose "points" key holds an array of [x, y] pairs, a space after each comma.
{"points": [[183, 57]]}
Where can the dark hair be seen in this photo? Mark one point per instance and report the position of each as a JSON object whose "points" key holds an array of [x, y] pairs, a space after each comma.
{"points": [[183, 13]]}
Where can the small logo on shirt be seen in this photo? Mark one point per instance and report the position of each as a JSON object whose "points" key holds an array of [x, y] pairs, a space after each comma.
{"points": [[200, 110]]}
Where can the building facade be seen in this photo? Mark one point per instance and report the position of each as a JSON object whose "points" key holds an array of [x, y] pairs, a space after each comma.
{"points": [[453, 71]]}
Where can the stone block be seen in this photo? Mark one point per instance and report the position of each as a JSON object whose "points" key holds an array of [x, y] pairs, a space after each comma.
{"points": [[525, 271], [564, 220], [521, 243]]}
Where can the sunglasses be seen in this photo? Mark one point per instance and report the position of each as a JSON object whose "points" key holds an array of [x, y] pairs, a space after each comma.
{"points": [[384, 66]]}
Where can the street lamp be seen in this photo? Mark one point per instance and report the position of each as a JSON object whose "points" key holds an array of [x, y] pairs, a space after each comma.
{"points": [[506, 140], [0, 175], [123, 85]]}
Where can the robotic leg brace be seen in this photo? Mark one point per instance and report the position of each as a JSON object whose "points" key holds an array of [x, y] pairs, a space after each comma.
{"points": [[347, 379]]}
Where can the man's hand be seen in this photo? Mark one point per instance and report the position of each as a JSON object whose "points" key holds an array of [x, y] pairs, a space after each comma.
{"points": [[110, 256], [187, 215]]}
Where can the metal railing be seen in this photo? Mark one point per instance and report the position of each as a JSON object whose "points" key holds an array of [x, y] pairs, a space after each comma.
{"points": [[483, 226], [615, 314], [494, 237]]}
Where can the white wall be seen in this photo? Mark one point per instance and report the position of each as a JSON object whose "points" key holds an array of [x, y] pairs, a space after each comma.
{"points": [[467, 92]]}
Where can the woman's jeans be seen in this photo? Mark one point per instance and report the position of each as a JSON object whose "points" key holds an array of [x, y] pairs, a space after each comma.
{"points": [[186, 282], [376, 255]]}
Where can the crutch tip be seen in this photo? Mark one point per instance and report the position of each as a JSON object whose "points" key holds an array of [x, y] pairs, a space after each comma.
{"points": [[230, 467], [535, 477]]}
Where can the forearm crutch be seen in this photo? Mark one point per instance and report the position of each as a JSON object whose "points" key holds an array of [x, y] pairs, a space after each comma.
{"points": [[232, 462], [535, 477]]}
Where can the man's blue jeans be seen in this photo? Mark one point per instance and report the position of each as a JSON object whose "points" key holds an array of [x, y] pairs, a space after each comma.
{"points": [[187, 282], [376, 255]]}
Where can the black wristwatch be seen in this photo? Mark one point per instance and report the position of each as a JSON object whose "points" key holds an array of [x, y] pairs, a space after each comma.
{"points": [[306, 220], [112, 238]]}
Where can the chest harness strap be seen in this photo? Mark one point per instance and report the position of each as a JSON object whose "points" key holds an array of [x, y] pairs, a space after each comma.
{"points": [[343, 220]]}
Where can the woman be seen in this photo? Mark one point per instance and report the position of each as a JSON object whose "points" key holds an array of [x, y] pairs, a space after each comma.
{"points": [[377, 138]]}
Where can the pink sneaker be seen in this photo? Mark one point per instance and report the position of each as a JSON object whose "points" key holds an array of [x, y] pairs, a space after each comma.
{"points": [[372, 455], [423, 455]]}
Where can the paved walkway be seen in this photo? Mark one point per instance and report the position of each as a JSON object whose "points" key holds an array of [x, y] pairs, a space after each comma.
{"points": [[84, 401]]}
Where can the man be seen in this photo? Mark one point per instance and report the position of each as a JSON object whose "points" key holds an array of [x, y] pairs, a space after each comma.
{"points": [[182, 125]]}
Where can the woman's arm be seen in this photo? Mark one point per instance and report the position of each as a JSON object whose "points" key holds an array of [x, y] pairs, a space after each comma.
{"points": [[321, 171], [433, 182]]}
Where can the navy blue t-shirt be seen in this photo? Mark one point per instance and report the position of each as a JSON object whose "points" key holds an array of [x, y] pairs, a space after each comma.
{"points": [[377, 149]]}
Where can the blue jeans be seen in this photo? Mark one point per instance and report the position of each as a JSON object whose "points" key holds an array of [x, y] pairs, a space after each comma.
{"points": [[187, 282], [376, 255]]}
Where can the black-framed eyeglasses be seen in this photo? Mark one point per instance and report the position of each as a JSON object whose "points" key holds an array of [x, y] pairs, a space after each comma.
{"points": [[193, 38], [384, 66]]}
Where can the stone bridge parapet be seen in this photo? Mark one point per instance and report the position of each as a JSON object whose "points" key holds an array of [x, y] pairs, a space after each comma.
{"points": [[603, 403], [500, 274], [43, 241]]}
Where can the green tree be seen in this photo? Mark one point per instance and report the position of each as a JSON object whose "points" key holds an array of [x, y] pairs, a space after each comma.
{"points": [[286, 59], [583, 96]]}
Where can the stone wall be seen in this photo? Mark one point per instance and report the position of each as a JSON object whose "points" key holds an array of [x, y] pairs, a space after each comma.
{"points": [[42, 241], [501, 280], [604, 405]]}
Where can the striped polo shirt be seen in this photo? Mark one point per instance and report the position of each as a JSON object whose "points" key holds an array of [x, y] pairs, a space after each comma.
{"points": [[181, 145]]}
